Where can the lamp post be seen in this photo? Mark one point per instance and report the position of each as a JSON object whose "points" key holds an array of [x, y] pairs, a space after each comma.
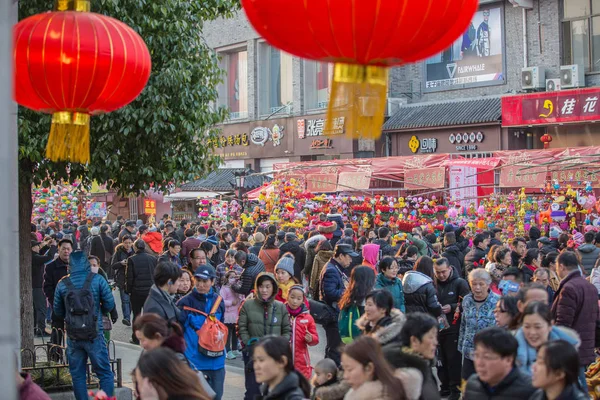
{"points": [[240, 179]]}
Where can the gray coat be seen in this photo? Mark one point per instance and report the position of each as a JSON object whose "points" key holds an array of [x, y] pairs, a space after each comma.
{"points": [[159, 302], [589, 255]]}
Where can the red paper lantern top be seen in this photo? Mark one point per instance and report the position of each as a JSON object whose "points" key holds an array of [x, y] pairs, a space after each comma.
{"points": [[366, 32], [78, 62]]}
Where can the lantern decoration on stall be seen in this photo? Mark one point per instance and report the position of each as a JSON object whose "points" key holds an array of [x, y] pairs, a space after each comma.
{"points": [[73, 64], [546, 139], [363, 38]]}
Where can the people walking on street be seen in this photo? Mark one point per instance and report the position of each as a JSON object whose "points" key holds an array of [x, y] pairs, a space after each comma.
{"points": [[388, 280], [172, 254], [139, 278], [119, 265], [160, 298], [81, 299], [232, 302], [229, 265], [304, 330], [37, 280]]}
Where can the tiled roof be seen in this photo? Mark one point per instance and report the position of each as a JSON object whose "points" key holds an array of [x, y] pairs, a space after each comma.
{"points": [[223, 180], [445, 113]]}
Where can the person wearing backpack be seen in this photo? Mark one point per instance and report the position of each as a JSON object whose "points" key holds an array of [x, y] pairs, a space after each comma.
{"points": [[352, 302], [81, 298], [205, 337]]}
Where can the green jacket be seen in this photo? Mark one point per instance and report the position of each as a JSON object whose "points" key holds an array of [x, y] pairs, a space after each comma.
{"points": [[394, 287], [252, 321], [421, 244]]}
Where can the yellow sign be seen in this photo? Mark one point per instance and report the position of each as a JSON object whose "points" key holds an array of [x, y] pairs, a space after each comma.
{"points": [[413, 144], [150, 207]]}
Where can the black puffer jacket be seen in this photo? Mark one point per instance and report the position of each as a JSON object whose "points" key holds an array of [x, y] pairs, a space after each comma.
{"points": [[534, 235], [287, 389], [96, 248], [139, 275], [571, 392], [299, 256], [253, 267], [420, 294], [400, 357], [450, 292], [37, 268], [455, 257], [516, 385], [385, 249], [119, 269], [474, 256], [53, 273]]}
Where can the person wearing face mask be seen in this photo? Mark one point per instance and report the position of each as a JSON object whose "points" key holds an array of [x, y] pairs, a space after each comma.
{"points": [[194, 309], [166, 284], [107, 318], [232, 302], [259, 317]]}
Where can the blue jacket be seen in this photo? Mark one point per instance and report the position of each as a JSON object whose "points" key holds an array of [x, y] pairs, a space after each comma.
{"points": [[79, 270], [526, 354], [192, 321], [332, 282], [394, 286]]}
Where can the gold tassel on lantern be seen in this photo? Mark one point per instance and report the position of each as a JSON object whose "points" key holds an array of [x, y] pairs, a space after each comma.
{"points": [[358, 94], [69, 138]]}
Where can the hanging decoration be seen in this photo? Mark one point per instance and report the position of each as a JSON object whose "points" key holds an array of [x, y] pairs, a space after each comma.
{"points": [[546, 139], [363, 38], [73, 64]]}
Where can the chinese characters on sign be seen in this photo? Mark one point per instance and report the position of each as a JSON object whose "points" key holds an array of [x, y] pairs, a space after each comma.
{"points": [[321, 144], [353, 180], [428, 145], [150, 207], [551, 107], [320, 183], [466, 141], [426, 178], [516, 176], [316, 127], [240, 139]]}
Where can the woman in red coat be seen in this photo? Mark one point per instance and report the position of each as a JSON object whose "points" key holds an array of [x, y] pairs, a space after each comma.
{"points": [[304, 330]]}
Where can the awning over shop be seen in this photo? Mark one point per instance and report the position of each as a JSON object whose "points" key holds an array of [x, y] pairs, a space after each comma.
{"points": [[190, 195], [446, 113], [223, 180]]}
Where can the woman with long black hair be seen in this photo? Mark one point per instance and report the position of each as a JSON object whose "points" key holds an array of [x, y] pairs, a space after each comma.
{"points": [[352, 302]]}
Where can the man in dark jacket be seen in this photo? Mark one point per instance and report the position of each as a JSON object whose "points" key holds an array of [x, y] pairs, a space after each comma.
{"points": [[102, 246], [588, 252], [119, 263], [518, 250], [384, 242], [37, 280], [576, 306], [451, 289], [534, 235], [496, 237], [183, 225], [53, 273], [333, 285], [139, 278], [172, 254], [452, 252], [128, 229], [338, 232], [190, 243], [476, 257], [292, 245], [252, 267], [497, 377]]}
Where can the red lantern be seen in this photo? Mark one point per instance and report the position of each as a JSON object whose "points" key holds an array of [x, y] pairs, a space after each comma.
{"points": [[73, 65], [546, 139], [362, 37]]}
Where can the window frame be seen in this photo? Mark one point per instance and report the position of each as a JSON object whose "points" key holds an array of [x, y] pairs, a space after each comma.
{"points": [[224, 54], [285, 111], [588, 69], [305, 65]]}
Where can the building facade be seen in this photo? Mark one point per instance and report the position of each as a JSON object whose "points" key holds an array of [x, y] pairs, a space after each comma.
{"points": [[450, 103]]}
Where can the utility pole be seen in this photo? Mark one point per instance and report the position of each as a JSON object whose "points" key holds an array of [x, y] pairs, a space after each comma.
{"points": [[9, 236]]}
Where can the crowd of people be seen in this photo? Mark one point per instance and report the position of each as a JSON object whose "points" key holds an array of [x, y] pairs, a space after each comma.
{"points": [[494, 318]]}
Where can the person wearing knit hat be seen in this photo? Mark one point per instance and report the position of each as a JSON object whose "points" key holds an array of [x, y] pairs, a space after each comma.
{"points": [[555, 232], [578, 238], [284, 274]]}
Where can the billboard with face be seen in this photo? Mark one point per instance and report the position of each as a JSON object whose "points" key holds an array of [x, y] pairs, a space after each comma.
{"points": [[475, 59]]}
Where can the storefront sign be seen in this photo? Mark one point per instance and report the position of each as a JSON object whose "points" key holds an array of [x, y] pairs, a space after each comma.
{"points": [[426, 178], [517, 176], [150, 207], [321, 144], [235, 154], [428, 145], [260, 135], [240, 139], [353, 180], [316, 127], [319, 183], [475, 59], [551, 107], [466, 141]]}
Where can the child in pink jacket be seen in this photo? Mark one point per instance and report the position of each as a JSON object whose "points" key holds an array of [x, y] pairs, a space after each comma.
{"points": [[232, 302]]}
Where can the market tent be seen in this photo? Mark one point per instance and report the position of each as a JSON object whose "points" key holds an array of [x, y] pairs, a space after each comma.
{"points": [[191, 195], [254, 194]]}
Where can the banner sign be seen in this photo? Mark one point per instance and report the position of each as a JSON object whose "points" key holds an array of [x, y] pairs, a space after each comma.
{"points": [[516, 176], [150, 207], [353, 180], [551, 107], [427, 178], [321, 183], [463, 185], [95, 209], [475, 59]]}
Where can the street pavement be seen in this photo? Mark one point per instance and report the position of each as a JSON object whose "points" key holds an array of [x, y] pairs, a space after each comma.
{"points": [[234, 376]]}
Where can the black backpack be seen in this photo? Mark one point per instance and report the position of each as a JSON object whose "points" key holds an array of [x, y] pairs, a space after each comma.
{"points": [[81, 320]]}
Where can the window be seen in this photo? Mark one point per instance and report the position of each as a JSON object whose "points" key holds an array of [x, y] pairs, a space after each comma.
{"points": [[274, 81], [233, 92], [317, 84], [581, 33]]}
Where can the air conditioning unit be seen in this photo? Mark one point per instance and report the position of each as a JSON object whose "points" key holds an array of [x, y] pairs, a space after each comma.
{"points": [[552, 85], [533, 78], [571, 76]]}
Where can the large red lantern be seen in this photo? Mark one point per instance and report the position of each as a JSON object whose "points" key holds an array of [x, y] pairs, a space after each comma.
{"points": [[73, 65], [362, 37], [546, 139]]}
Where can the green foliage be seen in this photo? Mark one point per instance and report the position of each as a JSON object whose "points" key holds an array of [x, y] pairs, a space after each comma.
{"points": [[160, 137]]}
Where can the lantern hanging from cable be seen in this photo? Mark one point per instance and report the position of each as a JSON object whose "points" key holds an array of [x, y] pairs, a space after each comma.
{"points": [[546, 139], [363, 38], [74, 64]]}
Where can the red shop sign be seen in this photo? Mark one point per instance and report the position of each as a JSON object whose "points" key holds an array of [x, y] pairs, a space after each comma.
{"points": [[551, 107], [516, 176], [426, 178]]}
